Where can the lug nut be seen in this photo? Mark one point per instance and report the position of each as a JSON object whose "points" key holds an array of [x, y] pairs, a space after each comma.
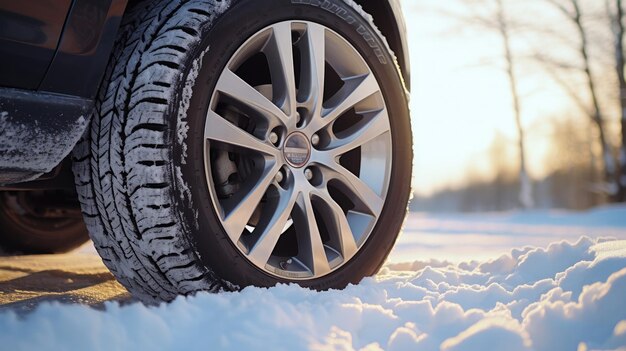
{"points": [[279, 177], [273, 138], [308, 174], [315, 139]]}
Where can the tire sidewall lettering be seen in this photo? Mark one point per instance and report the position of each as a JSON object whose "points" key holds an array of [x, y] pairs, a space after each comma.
{"points": [[345, 15]]}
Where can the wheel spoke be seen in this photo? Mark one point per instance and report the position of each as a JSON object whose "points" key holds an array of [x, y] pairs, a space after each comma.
{"points": [[314, 255], [313, 68], [344, 232], [279, 52], [272, 229], [219, 129], [377, 126], [237, 219], [367, 198], [236, 88], [355, 90]]}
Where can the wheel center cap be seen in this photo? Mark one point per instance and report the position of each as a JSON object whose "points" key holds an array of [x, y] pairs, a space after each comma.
{"points": [[297, 149]]}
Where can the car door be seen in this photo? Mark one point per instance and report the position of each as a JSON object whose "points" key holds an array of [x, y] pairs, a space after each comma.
{"points": [[29, 36]]}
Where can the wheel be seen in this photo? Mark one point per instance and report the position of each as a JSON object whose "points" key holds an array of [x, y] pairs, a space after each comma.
{"points": [[29, 225], [251, 144]]}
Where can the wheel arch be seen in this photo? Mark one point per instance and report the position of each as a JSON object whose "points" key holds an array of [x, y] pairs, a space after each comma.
{"points": [[390, 21]]}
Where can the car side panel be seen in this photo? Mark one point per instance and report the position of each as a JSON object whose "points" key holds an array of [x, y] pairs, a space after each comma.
{"points": [[29, 35], [40, 124], [85, 48]]}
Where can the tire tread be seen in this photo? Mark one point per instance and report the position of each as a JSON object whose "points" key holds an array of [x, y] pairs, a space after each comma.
{"points": [[122, 164]]}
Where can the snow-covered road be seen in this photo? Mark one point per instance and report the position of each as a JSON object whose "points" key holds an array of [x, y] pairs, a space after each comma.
{"points": [[453, 283]]}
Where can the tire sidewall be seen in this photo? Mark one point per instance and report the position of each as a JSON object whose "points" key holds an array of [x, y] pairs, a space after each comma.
{"points": [[241, 21]]}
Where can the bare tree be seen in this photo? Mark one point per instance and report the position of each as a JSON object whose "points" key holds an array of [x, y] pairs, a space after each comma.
{"points": [[491, 15], [617, 26], [571, 9], [525, 196]]}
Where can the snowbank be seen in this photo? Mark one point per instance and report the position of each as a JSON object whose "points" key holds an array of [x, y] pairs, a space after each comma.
{"points": [[484, 236], [562, 297]]}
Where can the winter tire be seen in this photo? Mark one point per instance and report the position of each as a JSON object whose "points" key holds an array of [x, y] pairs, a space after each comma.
{"points": [[246, 143]]}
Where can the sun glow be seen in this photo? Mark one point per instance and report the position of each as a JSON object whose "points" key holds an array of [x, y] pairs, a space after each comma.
{"points": [[460, 98]]}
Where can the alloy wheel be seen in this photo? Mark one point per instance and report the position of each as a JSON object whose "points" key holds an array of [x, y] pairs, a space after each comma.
{"points": [[297, 150]]}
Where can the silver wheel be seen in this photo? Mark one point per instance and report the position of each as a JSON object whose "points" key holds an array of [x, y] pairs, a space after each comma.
{"points": [[298, 150]]}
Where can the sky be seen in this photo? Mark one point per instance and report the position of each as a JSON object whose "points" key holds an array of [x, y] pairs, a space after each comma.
{"points": [[460, 98]]}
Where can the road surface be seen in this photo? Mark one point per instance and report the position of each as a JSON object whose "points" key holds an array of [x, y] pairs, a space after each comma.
{"points": [[80, 277]]}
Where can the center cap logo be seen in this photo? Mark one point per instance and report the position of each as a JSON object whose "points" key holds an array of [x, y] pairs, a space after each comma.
{"points": [[297, 149]]}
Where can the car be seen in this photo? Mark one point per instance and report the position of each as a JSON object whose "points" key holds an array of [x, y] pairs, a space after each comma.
{"points": [[206, 145]]}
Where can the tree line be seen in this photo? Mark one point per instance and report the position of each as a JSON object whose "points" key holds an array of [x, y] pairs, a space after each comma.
{"points": [[589, 65]]}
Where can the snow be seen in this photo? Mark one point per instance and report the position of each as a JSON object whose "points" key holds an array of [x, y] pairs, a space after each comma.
{"points": [[458, 237], [556, 295], [30, 149], [182, 127]]}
